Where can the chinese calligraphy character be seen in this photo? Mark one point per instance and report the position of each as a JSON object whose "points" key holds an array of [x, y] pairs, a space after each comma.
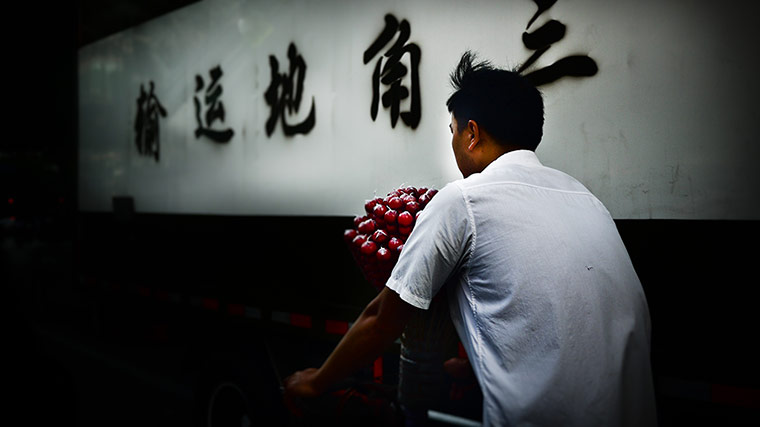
{"points": [[393, 71], [543, 6], [286, 91], [146, 123], [541, 40], [215, 108]]}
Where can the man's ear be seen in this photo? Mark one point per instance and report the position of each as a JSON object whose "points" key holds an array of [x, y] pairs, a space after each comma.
{"points": [[474, 131]]}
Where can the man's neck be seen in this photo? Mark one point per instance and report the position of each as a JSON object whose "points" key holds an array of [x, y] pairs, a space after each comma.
{"points": [[494, 151]]}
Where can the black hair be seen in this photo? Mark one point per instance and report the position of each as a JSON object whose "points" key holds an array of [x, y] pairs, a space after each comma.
{"points": [[502, 102]]}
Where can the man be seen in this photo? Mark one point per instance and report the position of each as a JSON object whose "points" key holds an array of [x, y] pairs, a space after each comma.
{"points": [[541, 288]]}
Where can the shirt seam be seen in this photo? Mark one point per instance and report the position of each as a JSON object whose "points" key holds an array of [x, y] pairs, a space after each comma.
{"points": [[406, 295], [517, 157], [524, 184], [473, 305]]}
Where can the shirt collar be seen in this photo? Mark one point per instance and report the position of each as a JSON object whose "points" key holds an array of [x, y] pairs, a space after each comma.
{"points": [[516, 157]]}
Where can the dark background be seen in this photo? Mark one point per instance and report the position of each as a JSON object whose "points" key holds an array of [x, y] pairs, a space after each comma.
{"points": [[699, 276]]}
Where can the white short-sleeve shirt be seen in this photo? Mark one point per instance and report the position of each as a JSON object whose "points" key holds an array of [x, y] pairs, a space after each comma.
{"points": [[542, 292]]}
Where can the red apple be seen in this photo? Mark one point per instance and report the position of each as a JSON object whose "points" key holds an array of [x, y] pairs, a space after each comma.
{"points": [[390, 216], [405, 219], [395, 202], [379, 210], [383, 254], [359, 240], [405, 230], [367, 227], [413, 207], [368, 248], [394, 243], [369, 205], [425, 198], [380, 236], [349, 234]]}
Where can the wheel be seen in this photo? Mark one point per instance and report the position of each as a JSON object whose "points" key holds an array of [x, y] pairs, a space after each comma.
{"points": [[228, 406], [238, 387]]}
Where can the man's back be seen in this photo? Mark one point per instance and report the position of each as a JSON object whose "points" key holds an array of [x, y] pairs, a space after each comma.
{"points": [[553, 314]]}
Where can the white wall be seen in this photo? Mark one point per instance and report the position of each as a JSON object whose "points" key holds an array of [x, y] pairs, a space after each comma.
{"points": [[664, 130]]}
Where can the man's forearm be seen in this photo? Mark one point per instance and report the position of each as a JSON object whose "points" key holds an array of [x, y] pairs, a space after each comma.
{"points": [[376, 328]]}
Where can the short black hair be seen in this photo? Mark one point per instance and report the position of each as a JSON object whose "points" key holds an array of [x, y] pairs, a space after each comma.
{"points": [[504, 103]]}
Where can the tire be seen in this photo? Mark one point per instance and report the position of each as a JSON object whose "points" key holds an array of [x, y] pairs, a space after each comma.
{"points": [[229, 406], [238, 388]]}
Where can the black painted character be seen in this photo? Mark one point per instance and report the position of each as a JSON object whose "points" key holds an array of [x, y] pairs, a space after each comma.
{"points": [[541, 40], [286, 90], [393, 71], [215, 108], [147, 133]]}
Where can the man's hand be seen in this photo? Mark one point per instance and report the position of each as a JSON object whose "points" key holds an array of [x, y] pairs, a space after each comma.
{"points": [[302, 384], [298, 386], [464, 378], [459, 368]]}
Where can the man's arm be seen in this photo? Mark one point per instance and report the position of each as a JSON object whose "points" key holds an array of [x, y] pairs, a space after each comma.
{"points": [[381, 322]]}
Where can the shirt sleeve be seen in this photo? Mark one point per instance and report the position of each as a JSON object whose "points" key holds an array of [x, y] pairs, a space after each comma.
{"points": [[435, 250]]}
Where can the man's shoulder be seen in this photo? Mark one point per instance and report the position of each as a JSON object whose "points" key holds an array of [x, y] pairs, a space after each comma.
{"points": [[449, 200], [451, 193], [535, 175]]}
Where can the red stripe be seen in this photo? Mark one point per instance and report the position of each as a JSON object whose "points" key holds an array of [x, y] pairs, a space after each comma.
{"points": [[736, 396], [462, 353], [162, 295], [336, 327], [377, 370], [210, 303], [300, 320], [236, 309], [160, 332]]}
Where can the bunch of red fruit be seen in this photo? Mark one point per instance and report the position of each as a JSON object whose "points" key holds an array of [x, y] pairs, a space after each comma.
{"points": [[378, 237]]}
